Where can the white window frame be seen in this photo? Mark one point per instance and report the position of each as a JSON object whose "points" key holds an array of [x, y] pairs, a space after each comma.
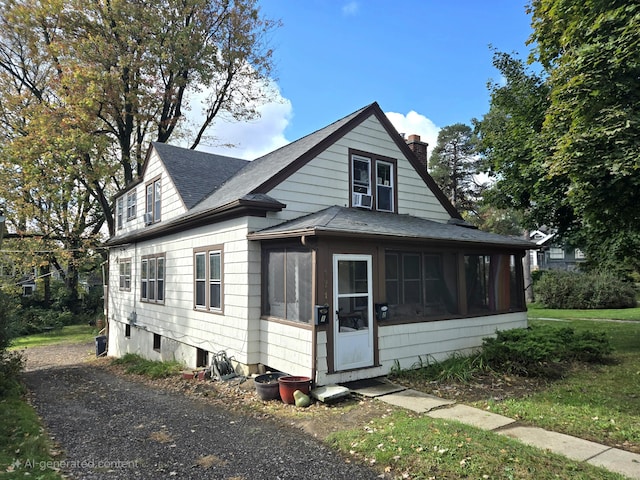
{"points": [[124, 266], [388, 184], [556, 253], [131, 205], [119, 213], [153, 200]]}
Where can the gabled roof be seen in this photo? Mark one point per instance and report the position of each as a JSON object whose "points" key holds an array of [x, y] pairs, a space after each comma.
{"points": [[344, 222], [264, 173], [196, 174]]}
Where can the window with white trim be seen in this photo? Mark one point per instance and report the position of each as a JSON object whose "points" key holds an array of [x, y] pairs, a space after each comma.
{"points": [[153, 201], [152, 273], [373, 182], [208, 291], [556, 253], [131, 205], [384, 186], [119, 212], [125, 274]]}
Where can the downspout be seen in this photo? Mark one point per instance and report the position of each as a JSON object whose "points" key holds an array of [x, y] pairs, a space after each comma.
{"points": [[314, 327]]}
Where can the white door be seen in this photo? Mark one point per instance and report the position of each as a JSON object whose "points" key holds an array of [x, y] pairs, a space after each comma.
{"points": [[353, 318]]}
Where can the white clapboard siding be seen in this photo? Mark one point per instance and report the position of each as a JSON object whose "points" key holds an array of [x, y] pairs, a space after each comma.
{"points": [[286, 347], [324, 181], [171, 204], [177, 319], [408, 344]]}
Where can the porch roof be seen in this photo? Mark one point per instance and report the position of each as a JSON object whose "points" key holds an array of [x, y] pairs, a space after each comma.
{"points": [[353, 222]]}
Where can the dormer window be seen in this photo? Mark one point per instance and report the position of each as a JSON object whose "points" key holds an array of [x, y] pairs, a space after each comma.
{"points": [[373, 183]]}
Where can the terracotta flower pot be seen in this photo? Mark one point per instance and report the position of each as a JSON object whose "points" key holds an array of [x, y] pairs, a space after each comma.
{"points": [[290, 384]]}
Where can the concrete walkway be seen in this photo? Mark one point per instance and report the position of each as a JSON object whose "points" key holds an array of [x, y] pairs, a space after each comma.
{"points": [[613, 459]]}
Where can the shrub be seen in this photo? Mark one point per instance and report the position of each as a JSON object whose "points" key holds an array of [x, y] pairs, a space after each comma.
{"points": [[574, 290], [543, 351]]}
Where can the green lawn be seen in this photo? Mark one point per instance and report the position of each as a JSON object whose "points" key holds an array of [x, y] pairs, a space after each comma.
{"points": [[406, 445], [68, 334], [535, 312], [600, 403]]}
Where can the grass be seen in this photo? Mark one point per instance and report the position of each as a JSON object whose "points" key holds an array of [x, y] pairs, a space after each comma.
{"points": [[23, 440], [599, 403], [68, 334], [537, 312], [153, 369], [419, 447]]}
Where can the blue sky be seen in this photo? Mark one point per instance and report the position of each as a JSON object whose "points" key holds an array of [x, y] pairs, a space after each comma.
{"points": [[426, 62]]}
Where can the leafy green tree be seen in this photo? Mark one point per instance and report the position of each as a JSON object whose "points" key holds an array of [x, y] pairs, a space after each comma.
{"points": [[453, 165], [85, 87], [591, 51], [509, 139]]}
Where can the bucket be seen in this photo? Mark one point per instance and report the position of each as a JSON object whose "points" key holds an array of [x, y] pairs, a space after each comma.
{"points": [[290, 384], [267, 386], [101, 345]]}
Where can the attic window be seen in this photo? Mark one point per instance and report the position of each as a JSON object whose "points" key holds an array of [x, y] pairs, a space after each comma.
{"points": [[373, 182], [153, 201]]}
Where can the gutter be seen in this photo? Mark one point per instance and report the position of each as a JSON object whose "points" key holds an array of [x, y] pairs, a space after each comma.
{"points": [[240, 207]]}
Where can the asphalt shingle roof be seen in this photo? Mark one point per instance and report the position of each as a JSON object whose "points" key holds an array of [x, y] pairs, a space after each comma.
{"points": [[349, 221], [255, 173], [197, 174]]}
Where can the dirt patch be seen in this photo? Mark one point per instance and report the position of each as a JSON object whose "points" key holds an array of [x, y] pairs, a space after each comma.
{"points": [[482, 387]]}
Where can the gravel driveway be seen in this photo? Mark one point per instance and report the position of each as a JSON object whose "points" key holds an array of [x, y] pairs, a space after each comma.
{"points": [[111, 427]]}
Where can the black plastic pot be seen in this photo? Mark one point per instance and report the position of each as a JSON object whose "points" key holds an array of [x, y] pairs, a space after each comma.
{"points": [[267, 386]]}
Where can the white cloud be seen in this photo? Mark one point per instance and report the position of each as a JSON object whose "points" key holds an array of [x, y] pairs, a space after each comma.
{"points": [[415, 123], [252, 139], [350, 8], [241, 139]]}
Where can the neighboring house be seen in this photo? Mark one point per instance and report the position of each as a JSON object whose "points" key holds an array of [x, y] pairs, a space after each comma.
{"points": [[334, 257], [25, 280], [553, 255]]}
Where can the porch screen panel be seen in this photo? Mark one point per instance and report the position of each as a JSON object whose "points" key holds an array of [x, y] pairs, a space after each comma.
{"points": [[489, 281], [289, 285]]}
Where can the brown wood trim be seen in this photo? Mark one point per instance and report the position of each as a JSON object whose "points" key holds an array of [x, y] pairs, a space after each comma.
{"points": [[206, 250], [374, 158], [291, 323], [408, 153], [314, 151], [164, 292]]}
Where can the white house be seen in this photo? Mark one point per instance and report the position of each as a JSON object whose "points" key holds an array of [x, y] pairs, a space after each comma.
{"points": [[334, 257]]}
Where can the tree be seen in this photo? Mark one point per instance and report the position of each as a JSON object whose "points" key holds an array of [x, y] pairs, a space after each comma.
{"points": [[591, 51], [85, 86], [453, 166]]}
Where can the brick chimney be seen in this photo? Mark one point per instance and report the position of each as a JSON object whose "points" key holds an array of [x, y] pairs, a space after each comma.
{"points": [[418, 148]]}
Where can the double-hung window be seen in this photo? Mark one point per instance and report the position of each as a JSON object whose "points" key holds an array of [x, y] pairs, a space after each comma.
{"points": [[125, 274], [153, 201], [208, 279], [373, 182], [152, 273], [119, 213], [131, 205]]}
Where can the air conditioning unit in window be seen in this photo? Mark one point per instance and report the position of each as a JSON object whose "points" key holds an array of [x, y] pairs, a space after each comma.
{"points": [[148, 218], [361, 200]]}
